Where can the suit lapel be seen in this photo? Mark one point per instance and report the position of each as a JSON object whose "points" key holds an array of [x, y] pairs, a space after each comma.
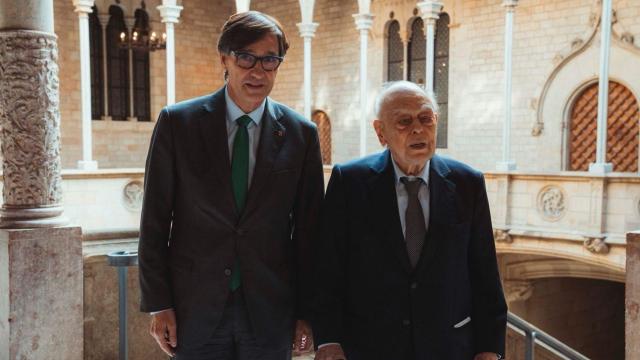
{"points": [[383, 210], [213, 130], [442, 210], [272, 136]]}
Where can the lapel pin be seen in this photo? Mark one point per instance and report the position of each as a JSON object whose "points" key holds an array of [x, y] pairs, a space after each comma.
{"points": [[279, 133]]}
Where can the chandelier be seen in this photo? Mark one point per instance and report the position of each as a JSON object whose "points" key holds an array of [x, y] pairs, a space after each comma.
{"points": [[141, 37], [142, 41]]}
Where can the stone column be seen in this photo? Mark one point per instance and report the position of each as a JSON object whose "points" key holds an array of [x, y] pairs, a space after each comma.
{"points": [[405, 36], [170, 13], [632, 297], [307, 31], [507, 164], [601, 166], [242, 5], [104, 21], [83, 8], [130, 21], [41, 315], [430, 13], [364, 22]]}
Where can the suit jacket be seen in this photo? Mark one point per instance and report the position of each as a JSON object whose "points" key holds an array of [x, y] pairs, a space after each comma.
{"points": [[191, 232], [370, 299]]}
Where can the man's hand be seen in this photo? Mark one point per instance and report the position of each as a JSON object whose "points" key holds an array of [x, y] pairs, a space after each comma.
{"points": [[330, 352], [486, 356], [163, 329], [303, 339]]}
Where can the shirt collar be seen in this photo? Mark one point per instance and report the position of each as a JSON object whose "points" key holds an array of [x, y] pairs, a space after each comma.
{"points": [[399, 173], [234, 112]]}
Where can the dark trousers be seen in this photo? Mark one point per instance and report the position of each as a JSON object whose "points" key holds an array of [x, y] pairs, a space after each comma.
{"points": [[233, 339]]}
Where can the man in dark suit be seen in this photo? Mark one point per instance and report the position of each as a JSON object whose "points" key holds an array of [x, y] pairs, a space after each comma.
{"points": [[406, 265], [232, 187]]}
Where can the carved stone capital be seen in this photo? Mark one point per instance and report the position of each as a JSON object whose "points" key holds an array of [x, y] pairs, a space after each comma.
{"points": [[502, 235], [170, 13], [596, 245], [30, 122], [518, 290], [430, 10], [363, 21], [307, 29]]}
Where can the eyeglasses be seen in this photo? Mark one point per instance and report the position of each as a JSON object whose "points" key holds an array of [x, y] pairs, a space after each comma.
{"points": [[248, 61]]}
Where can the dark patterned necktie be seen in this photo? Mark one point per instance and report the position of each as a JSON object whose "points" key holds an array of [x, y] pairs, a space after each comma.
{"points": [[415, 228], [240, 180]]}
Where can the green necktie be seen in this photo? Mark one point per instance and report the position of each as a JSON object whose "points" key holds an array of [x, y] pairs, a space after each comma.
{"points": [[240, 179]]}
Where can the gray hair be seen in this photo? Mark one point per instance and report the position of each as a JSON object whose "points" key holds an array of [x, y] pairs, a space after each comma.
{"points": [[389, 87]]}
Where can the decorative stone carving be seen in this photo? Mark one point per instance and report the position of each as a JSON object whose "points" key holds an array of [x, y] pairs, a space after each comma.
{"points": [[518, 290], [502, 235], [596, 245], [132, 195], [30, 122], [551, 203]]}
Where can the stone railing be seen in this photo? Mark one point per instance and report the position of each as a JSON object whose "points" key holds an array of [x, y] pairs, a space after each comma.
{"points": [[573, 214]]}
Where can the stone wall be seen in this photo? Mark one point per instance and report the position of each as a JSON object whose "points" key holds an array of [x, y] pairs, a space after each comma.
{"points": [[544, 32], [121, 144], [585, 314]]}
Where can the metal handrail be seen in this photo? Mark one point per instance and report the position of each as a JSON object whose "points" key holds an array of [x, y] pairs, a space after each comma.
{"points": [[534, 336]]}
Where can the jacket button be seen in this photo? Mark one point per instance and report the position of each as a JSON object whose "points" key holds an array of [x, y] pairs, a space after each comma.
{"points": [[414, 286], [406, 322], [227, 272]]}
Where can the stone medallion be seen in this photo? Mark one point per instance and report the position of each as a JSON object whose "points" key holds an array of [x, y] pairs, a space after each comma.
{"points": [[551, 203], [132, 195]]}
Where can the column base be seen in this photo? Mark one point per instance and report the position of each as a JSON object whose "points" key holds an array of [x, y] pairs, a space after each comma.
{"points": [[132, 118], [41, 299], [88, 165], [600, 168], [506, 166], [30, 218]]}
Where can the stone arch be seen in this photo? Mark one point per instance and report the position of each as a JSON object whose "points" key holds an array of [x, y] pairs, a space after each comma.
{"points": [[321, 119]]}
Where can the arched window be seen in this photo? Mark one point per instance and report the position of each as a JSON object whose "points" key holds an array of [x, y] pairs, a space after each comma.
{"points": [[417, 52], [141, 87], [441, 77], [321, 119], [118, 66], [97, 80], [395, 52], [622, 129]]}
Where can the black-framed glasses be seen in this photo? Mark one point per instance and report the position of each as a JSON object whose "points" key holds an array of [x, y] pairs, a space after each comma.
{"points": [[248, 61]]}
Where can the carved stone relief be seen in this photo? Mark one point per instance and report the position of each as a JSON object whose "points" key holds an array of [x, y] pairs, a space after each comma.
{"points": [[501, 235], [30, 119], [132, 195], [596, 245], [551, 203], [518, 290]]}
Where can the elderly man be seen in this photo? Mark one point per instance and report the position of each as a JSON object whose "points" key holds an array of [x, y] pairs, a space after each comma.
{"points": [[232, 187], [406, 267]]}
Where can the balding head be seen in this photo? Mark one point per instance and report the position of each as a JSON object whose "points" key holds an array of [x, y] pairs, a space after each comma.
{"points": [[406, 124], [393, 88]]}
